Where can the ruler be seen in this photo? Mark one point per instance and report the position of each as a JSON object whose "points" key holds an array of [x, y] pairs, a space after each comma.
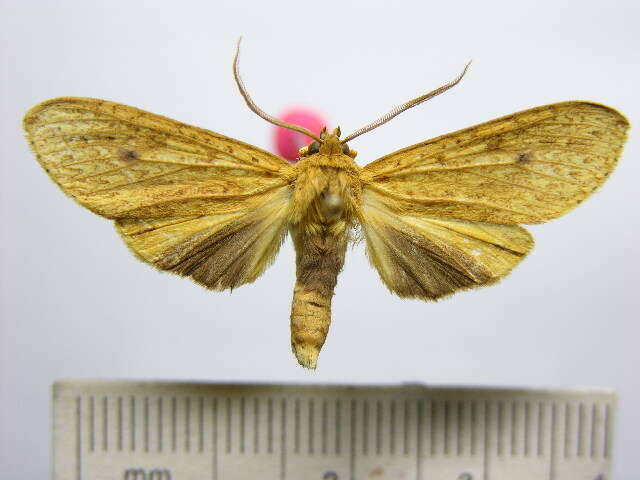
{"points": [[183, 431]]}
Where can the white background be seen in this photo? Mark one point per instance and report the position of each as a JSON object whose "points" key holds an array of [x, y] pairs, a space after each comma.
{"points": [[76, 304]]}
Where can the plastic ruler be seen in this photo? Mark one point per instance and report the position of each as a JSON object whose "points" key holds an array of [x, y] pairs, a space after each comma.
{"points": [[183, 431]]}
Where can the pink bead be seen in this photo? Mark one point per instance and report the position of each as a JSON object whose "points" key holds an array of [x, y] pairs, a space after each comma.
{"points": [[287, 142]]}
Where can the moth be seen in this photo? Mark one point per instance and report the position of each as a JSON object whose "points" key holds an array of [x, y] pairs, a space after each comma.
{"points": [[438, 217]]}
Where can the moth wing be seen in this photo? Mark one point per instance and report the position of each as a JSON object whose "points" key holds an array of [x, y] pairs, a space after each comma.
{"points": [[528, 167], [185, 199], [430, 257]]}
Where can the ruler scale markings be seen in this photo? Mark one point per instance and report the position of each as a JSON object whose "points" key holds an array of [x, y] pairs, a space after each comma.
{"points": [[325, 413], [214, 438], [446, 419], [405, 429], [174, 424], [570, 434], [392, 428], [187, 424], [296, 425], [378, 427], [419, 451], [78, 438], [338, 427], [92, 426], [365, 427], [242, 424], [105, 424], [474, 427], [159, 425], [567, 428], [432, 428], [592, 446], [311, 425], [581, 429], [120, 424], [459, 425], [487, 439], [228, 425], [201, 424], [283, 439], [527, 429], [256, 426], [514, 428], [607, 432], [270, 425], [552, 447], [132, 423], [540, 429], [500, 429], [352, 442], [146, 423]]}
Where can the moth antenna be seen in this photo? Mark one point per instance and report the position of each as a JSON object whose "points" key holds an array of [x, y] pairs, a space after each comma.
{"points": [[406, 106], [256, 109]]}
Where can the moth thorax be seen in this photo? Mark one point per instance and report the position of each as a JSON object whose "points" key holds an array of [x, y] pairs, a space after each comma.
{"points": [[331, 205]]}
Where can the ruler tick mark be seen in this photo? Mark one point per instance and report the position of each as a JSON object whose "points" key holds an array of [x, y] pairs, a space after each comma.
{"points": [[392, 427], [228, 425], [256, 426], [338, 426], [242, 423], [92, 423], [311, 431], [296, 426], [352, 442], [607, 432], [324, 425], [541, 433], [552, 447], [78, 438], [187, 424], [592, 446], [214, 439], [378, 427], [120, 424], [132, 423], [105, 424], [405, 433], [146, 424], [201, 424], [283, 439], [365, 427], [160, 425], [174, 424], [270, 425]]}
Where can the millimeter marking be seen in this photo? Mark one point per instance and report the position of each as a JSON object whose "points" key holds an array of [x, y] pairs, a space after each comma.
{"points": [[151, 430]]}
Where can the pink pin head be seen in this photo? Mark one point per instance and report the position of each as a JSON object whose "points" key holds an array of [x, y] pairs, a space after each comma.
{"points": [[287, 142]]}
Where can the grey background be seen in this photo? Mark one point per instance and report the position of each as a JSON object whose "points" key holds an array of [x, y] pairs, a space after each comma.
{"points": [[76, 304]]}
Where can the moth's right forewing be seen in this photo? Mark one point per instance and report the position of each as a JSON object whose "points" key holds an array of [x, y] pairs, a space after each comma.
{"points": [[185, 200], [122, 162]]}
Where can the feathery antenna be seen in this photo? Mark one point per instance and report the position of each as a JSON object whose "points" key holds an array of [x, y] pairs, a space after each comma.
{"points": [[405, 106], [256, 109]]}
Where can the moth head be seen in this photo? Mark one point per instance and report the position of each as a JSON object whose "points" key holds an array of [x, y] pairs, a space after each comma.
{"points": [[328, 144]]}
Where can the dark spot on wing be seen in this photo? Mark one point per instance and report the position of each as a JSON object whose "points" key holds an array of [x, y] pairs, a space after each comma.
{"points": [[524, 157], [128, 155]]}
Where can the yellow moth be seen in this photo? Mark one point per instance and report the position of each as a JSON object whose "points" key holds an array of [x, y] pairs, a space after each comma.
{"points": [[439, 216]]}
